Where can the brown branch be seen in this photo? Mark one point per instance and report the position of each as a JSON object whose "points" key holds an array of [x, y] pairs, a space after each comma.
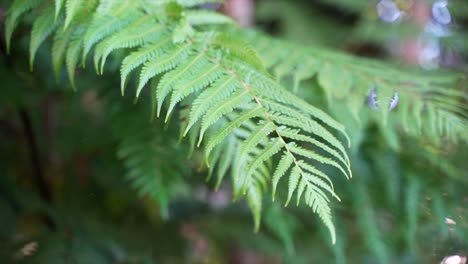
{"points": [[38, 173]]}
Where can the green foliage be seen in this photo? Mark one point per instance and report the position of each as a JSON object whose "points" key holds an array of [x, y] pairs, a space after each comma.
{"points": [[253, 103], [197, 65], [151, 177], [427, 105], [17, 9]]}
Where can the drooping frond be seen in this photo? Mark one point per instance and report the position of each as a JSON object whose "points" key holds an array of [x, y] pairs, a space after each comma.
{"points": [[248, 116], [15, 11], [110, 16], [251, 127], [142, 31], [233, 102], [59, 49], [421, 103], [73, 54], [141, 146], [42, 28]]}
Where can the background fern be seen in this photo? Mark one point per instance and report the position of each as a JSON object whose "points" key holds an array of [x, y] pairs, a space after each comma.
{"points": [[252, 103]]}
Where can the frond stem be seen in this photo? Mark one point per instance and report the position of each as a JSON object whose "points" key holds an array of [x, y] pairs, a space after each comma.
{"points": [[267, 115]]}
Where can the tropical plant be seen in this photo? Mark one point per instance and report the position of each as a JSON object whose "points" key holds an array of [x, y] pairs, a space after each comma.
{"points": [[283, 121]]}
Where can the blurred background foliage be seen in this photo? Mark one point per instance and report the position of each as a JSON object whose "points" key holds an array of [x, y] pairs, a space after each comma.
{"points": [[76, 188]]}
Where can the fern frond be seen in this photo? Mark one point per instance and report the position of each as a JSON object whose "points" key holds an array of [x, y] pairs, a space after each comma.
{"points": [[236, 109], [422, 98], [170, 59], [217, 111], [263, 156], [320, 206], [144, 156], [283, 166], [202, 17], [198, 82], [336, 81], [109, 18], [239, 49], [15, 11], [293, 183], [229, 129], [77, 10], [138, 33], [227, 156], [256, 137], [312, 155], [42, 28], [136, 59], [254, 199], [59, 49], [58, 4], [73, 54], [220, 90]]}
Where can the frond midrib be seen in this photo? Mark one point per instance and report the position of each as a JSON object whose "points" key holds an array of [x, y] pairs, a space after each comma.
{"points": [[267, 117]]}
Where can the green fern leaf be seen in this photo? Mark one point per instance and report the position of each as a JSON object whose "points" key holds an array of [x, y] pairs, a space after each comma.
{"points": [[72, 8], [297, 124], [257, 137], [138, 33], [220, 90], [230, 127], [170, 80], [336, 81], [18, 8], [312, 170], [226, 159], [314, 156], [238, 49], [139, 144], [58, 7], [316, 181], [325, 119], [283, 166], [254, 199], [347, 78], [320, 206], [206, 73], [294, 135], [286, 67], [216, 111], [183, 31], [266, 153], [300, 190], [170, 59], [202, 17], [305, 71], [138, 58], [293, 182], [72, 57], [226, 95], [42, 28], [59, 48], [108, 20]]}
